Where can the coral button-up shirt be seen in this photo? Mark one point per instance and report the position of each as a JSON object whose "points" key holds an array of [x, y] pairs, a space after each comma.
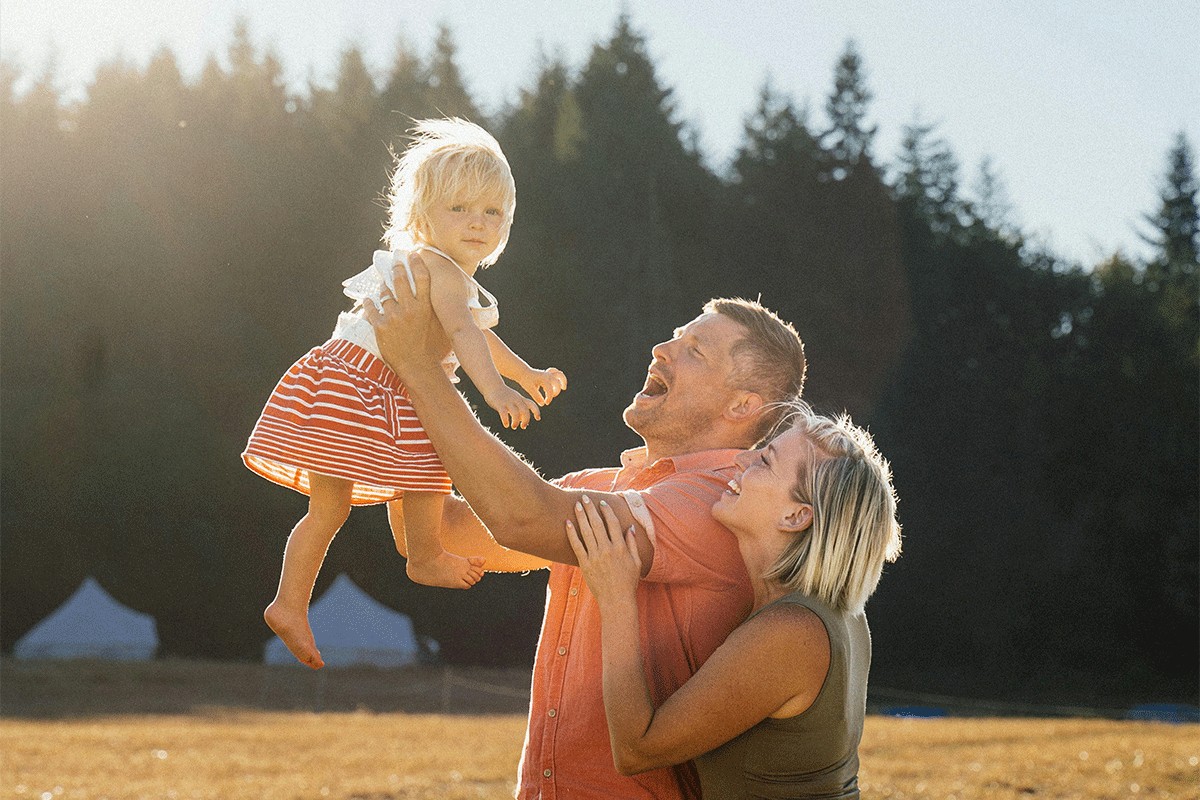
{"points": [[696, 592]]}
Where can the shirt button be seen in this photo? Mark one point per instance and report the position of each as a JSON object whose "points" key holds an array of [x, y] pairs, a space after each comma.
{"points": [[547, 773], [552, 713], [574, 591], [562, 651]]}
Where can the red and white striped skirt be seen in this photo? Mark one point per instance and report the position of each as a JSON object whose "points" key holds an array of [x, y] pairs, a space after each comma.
{"points": [[341, 411]]}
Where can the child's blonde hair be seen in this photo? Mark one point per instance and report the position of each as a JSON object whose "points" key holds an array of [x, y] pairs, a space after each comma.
{"points": [[447, 159]]}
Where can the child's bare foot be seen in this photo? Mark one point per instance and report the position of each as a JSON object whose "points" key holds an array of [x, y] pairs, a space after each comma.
{"points": [[292, 627], [446, 570]]}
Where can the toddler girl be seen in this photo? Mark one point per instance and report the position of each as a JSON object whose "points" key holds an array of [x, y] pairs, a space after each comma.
{"points": [[339, 426]]}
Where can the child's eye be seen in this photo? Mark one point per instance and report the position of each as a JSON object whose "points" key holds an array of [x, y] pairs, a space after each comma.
{"points": [[458, 208], [495, 212]]}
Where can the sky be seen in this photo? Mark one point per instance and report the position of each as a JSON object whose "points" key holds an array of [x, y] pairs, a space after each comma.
{"points": [[1076, 102]]}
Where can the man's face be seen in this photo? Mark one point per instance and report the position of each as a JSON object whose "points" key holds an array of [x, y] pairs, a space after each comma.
{"points": [[687, 385]]}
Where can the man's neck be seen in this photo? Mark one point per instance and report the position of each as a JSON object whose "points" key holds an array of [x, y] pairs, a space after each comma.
{"points": [[656, 451]]}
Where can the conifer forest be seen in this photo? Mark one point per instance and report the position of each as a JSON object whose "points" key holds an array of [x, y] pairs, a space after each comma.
{"points": [[170, 245]]}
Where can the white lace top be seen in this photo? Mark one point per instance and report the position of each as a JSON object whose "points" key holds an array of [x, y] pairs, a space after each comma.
{"points": [[370, 285]]}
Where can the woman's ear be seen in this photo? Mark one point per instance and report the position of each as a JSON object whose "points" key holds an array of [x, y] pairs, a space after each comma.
{"points": [[798, 519]]}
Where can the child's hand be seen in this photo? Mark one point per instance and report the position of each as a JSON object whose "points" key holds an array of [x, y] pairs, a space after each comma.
{"points": [[543, 385], [514, 408]]}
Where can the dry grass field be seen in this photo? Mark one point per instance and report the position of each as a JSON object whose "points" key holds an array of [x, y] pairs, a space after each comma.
{"points": [[225, 731]]}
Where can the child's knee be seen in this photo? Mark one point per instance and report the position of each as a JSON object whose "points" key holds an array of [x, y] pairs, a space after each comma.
{"points": [[331, 509]]}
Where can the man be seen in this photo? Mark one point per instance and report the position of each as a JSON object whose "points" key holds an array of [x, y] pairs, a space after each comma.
{"points": [[710, 393]]}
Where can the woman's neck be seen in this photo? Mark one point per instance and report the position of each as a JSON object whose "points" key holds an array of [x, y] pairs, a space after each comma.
{"points": [[760, 556]]}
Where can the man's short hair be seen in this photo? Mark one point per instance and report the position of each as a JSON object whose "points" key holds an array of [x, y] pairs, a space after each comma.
{"points": [[769, 361]]}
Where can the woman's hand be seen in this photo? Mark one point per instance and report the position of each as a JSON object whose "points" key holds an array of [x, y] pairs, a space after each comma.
{"points": [[543, 385], [607, 555]]}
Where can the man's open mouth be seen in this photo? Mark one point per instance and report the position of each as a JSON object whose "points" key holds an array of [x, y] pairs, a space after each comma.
{"points": [[655, 386]]}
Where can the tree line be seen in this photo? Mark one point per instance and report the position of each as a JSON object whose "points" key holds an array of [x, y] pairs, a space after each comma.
{"points": [[170, 246]]}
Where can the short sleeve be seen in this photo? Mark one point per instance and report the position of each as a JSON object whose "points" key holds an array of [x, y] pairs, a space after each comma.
{"points": [[689, 545]]}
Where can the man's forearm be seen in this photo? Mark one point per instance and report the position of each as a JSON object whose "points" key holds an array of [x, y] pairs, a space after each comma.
{"points": [[522, 511], [462, 533]]}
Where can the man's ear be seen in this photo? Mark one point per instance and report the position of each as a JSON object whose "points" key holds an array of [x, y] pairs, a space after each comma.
{"points": [[798, 519], [747, 405]]}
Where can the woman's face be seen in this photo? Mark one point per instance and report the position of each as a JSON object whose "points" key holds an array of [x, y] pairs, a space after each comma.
{"points": [[760, 499]]}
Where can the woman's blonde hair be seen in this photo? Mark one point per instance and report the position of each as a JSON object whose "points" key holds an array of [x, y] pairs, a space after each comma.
{"points": [[447, 159], [854, 531]]}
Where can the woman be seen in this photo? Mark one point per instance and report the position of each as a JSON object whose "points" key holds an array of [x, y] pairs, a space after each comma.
{"points": [[777, 711]]}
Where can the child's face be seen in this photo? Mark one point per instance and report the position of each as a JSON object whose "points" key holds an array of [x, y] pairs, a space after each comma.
{"points": [[466, 229]]}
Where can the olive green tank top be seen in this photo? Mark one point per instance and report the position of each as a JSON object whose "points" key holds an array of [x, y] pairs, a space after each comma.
{"points": [[815, 753]]}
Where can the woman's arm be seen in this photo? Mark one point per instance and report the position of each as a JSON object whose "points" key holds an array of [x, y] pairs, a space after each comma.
{"points": [[779, 657]]}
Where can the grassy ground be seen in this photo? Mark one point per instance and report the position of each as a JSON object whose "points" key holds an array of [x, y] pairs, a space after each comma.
{"points": [[223, 731]]}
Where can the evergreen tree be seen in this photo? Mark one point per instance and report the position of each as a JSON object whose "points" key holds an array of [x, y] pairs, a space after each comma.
{"points": [[447, 92], [927, 179], [642, 215], [992, 210], [1174, 272], [848, 138], [825, 255], [1175, 222]]}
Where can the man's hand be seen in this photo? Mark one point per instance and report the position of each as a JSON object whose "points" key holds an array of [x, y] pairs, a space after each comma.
{"points": [[409, 334]]}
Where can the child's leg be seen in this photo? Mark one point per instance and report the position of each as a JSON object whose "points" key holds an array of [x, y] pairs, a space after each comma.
{"points": [[328, 507], [428, 563]]}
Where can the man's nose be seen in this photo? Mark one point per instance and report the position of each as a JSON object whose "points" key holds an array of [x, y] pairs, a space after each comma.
{"points": [[659, 351]]}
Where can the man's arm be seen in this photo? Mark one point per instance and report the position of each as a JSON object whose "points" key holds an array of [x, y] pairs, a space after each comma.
{"points": [[522, 511]]}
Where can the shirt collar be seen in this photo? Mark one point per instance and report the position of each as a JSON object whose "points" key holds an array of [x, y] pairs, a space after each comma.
{"points": [[635, 458]]}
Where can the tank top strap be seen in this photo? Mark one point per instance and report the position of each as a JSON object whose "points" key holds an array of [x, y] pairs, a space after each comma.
{"points": [[491, 300]]}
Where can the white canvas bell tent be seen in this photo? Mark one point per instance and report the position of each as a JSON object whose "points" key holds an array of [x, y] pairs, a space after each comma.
{"points": [[351, 627], [91, 624]]}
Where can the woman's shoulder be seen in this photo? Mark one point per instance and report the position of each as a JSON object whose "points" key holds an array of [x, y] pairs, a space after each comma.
{"points": [[786, 616], [780, 627]]}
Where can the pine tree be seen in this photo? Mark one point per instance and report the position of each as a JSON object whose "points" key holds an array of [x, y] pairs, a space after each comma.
{"points": [[630, 177], [927, 180], [1175, 222], [1174, 272], [992, 210], [822, 253], [848, 138], [447, 92]]}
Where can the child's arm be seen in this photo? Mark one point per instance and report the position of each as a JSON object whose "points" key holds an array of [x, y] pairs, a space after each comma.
{"points": [[543, 385], [449, 294]]}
